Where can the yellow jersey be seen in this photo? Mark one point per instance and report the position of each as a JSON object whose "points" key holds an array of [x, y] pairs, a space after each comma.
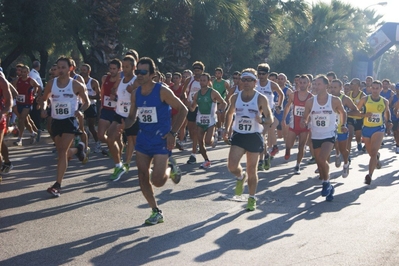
{"points": [[376, 108], [356, 100]]}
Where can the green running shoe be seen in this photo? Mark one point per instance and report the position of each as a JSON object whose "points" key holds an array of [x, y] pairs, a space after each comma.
{"points": [[240, 185], [251, 206], [267, 163], [118, 172], [175, 173], [127, 167], [156, 217], [260, 165]]}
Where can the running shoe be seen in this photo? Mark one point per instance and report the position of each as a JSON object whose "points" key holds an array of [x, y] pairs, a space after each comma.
{"points": [[287, 154], [326, 189], [97, 149], [86, 159], [338, 160], [192, 159], [378, 161], [215, 140], [118, 172], [6, 167], [367, 180], [330, 196], [297, 170], [127, 167], [33, 138], [175, 172], [267, 162], [345, 171], [18, 142], [359, 147], [156, 217], [56, 192], [81, 152], [240, 185], [260, 165], [206, 164], [312, 161], [251, 205], [274, 151]]}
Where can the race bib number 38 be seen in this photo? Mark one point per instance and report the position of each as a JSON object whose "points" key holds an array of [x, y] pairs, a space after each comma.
{"points": [[147, 114]]}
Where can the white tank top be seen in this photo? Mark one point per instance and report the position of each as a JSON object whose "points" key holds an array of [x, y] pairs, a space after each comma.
{"points": [[324, 119], [64, 102], [124, 100], [90, 91], [267, 91], [245, 115], [193, 87]]}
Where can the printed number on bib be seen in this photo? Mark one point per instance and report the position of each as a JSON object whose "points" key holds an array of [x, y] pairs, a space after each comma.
{"points": [[204, 119], [322, 121], [21, 98], [299, 110], [245, 124], [124, 108], [147, 114], [375, 118], [108, 102], [63, 108]]}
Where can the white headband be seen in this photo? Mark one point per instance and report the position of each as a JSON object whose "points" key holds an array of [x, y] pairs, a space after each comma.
{"points": [[248, 75]]}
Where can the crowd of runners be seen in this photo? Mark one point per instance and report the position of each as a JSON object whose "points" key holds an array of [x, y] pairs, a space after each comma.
{"points": [[135, 109]]}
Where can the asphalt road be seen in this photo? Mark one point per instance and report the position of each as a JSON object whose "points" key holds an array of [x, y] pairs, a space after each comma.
{"points": [[99, 222]]}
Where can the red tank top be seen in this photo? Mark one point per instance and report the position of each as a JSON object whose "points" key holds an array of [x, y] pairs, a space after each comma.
{"points": [[298, 110], [107, 87], [178, 95], [25, 92]]}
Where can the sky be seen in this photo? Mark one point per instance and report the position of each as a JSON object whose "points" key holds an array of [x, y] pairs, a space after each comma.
{"points": [[390, 11]]}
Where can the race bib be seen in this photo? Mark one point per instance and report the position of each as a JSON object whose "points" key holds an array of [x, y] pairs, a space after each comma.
{"points": [[322, 120], [148, 115], [204, 119], [21, 98], [245, 124], [62, 108], [375, 118], [299, 110], [108, 102], [124, 108]]}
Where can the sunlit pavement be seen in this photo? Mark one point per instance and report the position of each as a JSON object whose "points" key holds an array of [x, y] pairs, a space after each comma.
{"points": [[100, 222]]}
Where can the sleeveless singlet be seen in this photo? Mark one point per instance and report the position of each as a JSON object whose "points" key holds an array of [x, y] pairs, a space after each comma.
{"points": [[90, 91], [124, 100], [246, 112], [355, 101], [106, 101], [323, 119], [193, 87], [25, 92], [377, 109], [206, 114], [267, 91], [297, 111], [220, 87], [64, 102]]}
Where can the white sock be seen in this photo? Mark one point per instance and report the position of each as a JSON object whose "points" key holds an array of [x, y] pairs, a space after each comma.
{"points": [[119, 165]]}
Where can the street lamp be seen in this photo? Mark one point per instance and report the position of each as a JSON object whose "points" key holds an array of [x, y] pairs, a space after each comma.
{"points": [[378, 4]]}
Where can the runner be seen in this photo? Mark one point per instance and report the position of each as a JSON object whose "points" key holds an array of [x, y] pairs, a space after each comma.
{"points": [[221, 86], [151, 103], [205, 100], [321, 110], [395, 117], [267, 87], [296, 103], [191, 86], [377, 118], [282, 128], [341, 146], [5, 106], [177, 89], [108, 100], [355, 123], [248, 105], [63, 93], [93, 90], [123, 104]]}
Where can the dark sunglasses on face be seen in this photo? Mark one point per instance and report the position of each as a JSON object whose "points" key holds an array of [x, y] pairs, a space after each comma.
{"points": [[247, 80], [262, 73], [197, 67], [142, 72]]}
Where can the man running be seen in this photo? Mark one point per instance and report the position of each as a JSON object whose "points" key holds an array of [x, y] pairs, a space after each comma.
{"points": [[93, 90], [222, 87], [377, 119], [206, 100], [248, 105], [151, 103], [355, 123], [296, 103], [63, 93], [5, 106], [321, 110], [395, 117]]}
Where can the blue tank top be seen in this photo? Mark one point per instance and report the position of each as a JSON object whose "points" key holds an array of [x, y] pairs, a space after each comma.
{"points": [[280, 115], [395, 99], [153, 115]]}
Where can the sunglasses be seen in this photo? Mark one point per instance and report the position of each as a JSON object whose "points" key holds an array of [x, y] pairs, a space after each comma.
{"points": [[142, 72], [262, 73], [247, 80], [200, 68]]}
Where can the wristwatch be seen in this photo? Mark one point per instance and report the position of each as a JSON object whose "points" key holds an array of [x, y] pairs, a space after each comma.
{"points": [[174, 134]]}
